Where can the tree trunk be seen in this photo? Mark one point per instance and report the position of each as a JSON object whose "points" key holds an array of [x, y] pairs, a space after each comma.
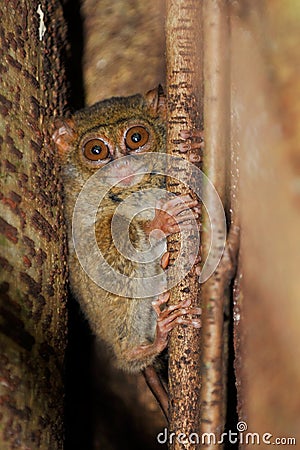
{"points": [[199, 33], [184, 83], [32, 233]]}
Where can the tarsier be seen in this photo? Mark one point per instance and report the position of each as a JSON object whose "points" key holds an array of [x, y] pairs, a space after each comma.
{"points": [[135, 329]]}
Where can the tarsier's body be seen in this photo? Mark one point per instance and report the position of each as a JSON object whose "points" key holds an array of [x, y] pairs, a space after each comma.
{"points": [[135, 329]]}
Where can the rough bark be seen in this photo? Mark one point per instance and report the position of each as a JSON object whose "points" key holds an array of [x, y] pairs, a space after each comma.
{"points": [[184, 83], [32, 250]]}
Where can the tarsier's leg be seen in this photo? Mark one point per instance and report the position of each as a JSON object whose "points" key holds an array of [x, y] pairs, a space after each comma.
{"points": [[167, 319], [157, 388]]}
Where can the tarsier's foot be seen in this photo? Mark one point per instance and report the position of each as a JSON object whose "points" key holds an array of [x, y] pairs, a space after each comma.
{"points": [[172, 216], [167, 319], [171, 316]]}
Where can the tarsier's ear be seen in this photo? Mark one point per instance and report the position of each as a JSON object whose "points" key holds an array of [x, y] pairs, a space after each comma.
{"points": [[63, 135], [156, 100]]}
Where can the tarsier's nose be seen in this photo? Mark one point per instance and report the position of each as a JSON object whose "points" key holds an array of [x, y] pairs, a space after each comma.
{"points": [[118, 152]]}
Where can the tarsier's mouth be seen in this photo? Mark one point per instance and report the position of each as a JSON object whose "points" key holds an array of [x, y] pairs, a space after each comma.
{"points": [[127, 172]]}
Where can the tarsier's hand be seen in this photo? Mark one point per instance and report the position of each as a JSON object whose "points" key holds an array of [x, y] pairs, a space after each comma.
{"points": [[172, 216], [193, 143]]}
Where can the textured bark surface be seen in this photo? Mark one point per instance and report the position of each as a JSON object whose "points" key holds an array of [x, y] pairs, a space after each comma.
{"points": [[184, 83], [32, 250]]}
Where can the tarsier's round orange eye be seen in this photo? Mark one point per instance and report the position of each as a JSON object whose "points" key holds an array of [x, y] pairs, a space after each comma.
{"points": [[95, 150], [136, 137]]}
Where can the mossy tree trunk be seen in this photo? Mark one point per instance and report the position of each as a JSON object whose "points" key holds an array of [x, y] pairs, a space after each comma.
{"points": [[32, 244]]}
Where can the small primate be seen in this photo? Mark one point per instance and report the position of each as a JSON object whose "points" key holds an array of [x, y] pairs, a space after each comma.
{"points": [[136, 329]]}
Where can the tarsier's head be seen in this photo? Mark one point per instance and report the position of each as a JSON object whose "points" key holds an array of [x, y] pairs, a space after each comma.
{"points": [[112, 129]]}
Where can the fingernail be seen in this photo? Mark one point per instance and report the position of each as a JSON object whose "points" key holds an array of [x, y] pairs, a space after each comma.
{"points": [[198, 270], [193, 157], [183, 148], [165, 260], [185, 134]]}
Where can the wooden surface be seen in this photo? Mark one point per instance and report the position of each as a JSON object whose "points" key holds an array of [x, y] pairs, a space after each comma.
{"points": [[32, 246], [184, 85]]}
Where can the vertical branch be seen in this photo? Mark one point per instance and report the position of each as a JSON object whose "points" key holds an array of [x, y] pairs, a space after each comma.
{"points": [[32, 251], [184, 82], [217, 134]]}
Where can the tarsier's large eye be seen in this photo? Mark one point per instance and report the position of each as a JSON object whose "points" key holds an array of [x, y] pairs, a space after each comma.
{"points": [[95, 150], [136, 137]]}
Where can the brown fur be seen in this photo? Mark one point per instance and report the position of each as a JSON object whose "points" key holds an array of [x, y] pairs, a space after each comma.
{"points": [[121, 322]]}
